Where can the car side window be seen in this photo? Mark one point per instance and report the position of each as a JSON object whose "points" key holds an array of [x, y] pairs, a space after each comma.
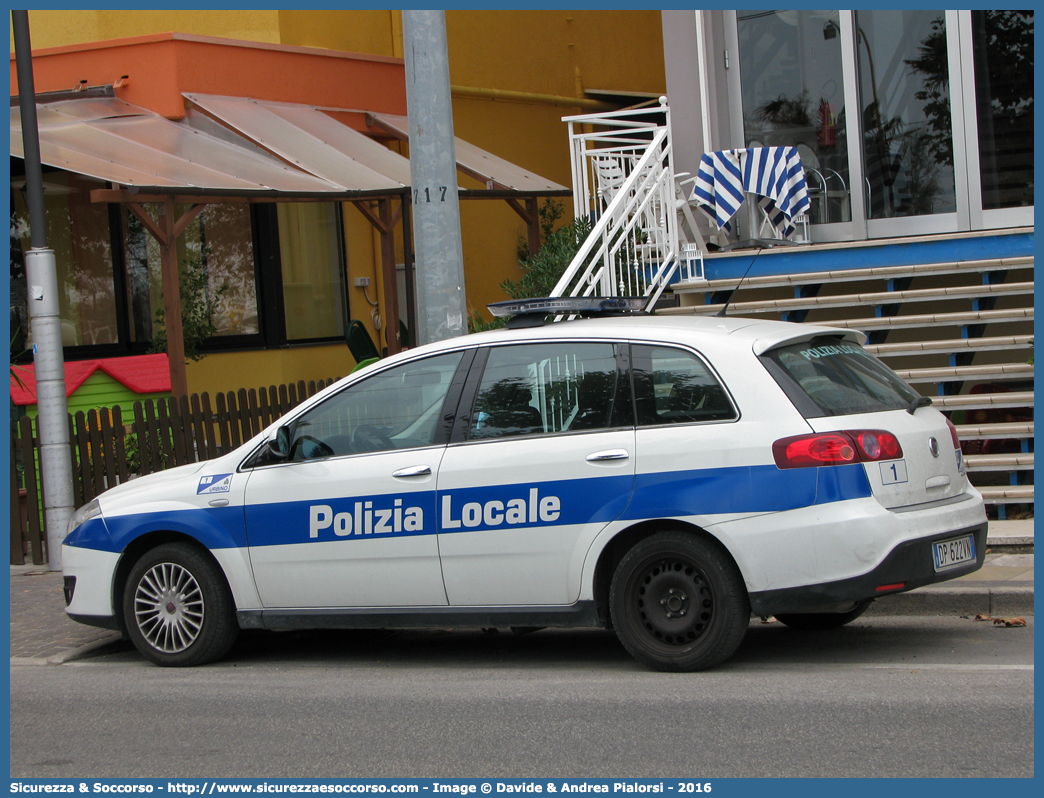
{"points": [[673, 386], [544, 388], [395, 409]]}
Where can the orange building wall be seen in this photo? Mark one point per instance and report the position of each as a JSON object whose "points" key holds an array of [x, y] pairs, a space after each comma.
{"points": [[160, 67]]}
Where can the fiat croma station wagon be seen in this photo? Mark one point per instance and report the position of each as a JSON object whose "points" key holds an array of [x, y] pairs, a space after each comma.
{"points": [[665, 477]]}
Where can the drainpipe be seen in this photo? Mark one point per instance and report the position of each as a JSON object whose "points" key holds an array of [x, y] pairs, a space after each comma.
{"points": [[44, 317]]}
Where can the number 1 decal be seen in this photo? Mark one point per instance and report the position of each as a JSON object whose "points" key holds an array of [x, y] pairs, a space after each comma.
{"points": [[894, 473]]}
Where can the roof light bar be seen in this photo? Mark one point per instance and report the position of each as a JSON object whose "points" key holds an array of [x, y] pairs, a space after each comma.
{"points": [[539, 307]]}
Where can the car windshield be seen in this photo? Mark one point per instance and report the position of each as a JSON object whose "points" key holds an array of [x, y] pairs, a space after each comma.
{"points": [[839, 377]]}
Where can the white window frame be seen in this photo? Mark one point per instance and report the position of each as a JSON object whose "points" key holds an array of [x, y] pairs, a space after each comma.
{"points": [[969, 214]]}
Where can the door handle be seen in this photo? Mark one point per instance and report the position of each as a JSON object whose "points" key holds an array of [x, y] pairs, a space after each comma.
{"points": [[413, 471], [611, 454]]}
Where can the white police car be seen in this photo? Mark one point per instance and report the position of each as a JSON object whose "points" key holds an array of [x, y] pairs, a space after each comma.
{"points": [[662, 476]]}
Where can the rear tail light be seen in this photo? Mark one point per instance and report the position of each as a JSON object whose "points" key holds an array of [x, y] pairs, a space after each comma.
{"points": [[875, 444], [836, 448], [802, 451]]}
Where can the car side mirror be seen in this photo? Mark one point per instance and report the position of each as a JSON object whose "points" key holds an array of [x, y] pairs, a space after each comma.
{"points": [[279, 445]]}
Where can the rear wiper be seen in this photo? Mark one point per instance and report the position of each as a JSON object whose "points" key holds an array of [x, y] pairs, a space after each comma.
{"points": [[920, 401]]}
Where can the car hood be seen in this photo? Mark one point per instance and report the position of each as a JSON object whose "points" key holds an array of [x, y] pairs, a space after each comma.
{"points": [[139, 486]]}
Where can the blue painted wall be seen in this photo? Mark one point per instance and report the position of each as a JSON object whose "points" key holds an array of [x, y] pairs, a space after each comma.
{"points": [[865, 255]]}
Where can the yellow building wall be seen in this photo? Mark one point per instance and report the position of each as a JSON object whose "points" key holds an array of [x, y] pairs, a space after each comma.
{"points": [[55, 28], [539, 51], [544, 52], [230, 371], [371, 32]]}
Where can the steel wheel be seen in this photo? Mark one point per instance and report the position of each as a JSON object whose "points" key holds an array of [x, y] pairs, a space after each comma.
{"points": [[177, 606], [678, 603], [673, 601], [169, 607]]}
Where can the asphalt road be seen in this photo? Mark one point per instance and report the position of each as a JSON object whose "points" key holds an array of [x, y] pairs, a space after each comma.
{"points": [[913, 696]]}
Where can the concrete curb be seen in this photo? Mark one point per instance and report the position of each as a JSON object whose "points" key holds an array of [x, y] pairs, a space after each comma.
{"points": [[1010, 541], [93, 649], [969, 601], [1010, 533]]}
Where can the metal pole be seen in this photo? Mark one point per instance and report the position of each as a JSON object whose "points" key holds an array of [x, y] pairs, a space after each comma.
{"points": [[44, 317], [441, 302]]}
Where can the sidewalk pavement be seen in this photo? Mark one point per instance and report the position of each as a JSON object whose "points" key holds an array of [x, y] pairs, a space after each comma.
{"points": [[42, 634]]}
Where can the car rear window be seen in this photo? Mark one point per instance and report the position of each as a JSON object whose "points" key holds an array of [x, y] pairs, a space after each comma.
{"points": [[828, 376]]}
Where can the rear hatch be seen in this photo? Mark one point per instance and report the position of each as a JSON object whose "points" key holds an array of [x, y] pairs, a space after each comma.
{"points": [[908, 450]]}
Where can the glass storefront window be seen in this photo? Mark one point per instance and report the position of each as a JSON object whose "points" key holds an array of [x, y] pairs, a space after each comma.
{"points": [[793, 95], [78, 232], [220, 242], [1003, 53], [112, 289], [310, 252], [144, 275], [904, 95], [868, 98]]}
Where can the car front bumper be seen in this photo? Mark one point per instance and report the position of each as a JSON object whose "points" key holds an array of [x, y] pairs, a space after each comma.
{"points": [[91, 601]]}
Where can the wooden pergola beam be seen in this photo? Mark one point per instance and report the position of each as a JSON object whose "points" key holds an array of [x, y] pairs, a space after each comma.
{"points": [[384, 221], [531, 216], [166, 231]]}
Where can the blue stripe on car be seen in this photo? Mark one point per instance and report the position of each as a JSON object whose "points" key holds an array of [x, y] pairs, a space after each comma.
{"points": [[743, 489]]}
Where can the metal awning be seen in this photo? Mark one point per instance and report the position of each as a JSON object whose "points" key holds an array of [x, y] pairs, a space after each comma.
{"points": [[241, 147], [311, 140], [111, 140], [235, 149], [476, 162]]}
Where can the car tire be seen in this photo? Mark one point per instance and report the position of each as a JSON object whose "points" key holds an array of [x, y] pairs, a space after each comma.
{"points": [[821, 621], [678, 602], [177, 607]]}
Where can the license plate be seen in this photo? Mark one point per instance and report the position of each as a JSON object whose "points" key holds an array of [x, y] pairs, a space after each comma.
{"points": [[950, 553]]}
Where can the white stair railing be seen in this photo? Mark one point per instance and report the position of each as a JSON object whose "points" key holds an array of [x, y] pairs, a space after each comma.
{"points": [[623, 180]]}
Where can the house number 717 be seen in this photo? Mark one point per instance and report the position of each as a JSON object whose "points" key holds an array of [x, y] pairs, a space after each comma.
{"points": [[427, 192]]}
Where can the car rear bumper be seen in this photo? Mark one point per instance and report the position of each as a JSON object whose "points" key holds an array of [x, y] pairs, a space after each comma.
{"points": [[909, 565]]}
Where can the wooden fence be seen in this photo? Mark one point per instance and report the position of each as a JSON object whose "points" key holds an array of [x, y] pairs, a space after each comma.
{"points": [[113, 445]]}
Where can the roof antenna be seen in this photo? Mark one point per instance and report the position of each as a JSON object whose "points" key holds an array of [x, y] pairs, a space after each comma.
{"points": [[721, 313]]}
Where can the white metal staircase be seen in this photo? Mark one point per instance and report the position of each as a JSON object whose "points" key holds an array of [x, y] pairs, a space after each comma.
{"points": [[624, 181]]}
